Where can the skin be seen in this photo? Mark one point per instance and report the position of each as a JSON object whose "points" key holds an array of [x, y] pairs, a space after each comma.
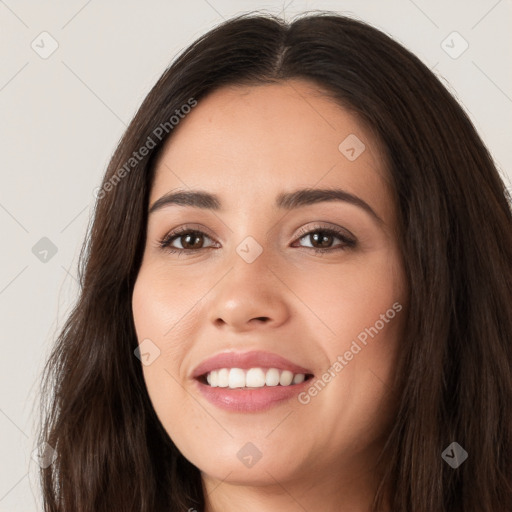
{"points": [[247, 144]]}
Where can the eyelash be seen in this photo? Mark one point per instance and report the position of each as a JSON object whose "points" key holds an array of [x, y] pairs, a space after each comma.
{"points": [[348, 243]]}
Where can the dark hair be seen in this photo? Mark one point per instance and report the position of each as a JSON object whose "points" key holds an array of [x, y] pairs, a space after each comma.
{"points": [[454, 373]]}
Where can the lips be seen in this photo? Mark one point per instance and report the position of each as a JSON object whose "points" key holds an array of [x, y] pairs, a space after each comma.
{"points": [[249, 394], [247, 360]]}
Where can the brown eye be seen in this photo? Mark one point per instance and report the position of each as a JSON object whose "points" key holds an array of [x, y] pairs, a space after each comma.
{"points": [[189, 239], [322, 239]]}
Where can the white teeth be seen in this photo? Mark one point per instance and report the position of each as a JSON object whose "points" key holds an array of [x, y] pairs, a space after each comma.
{"points": [[255, 378], [252, 378], [286, 378], [236, 378], [297, 379], [272, 377], [223, 378]]}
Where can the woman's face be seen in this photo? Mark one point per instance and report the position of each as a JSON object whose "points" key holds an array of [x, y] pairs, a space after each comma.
{"points": [[251, 283]]}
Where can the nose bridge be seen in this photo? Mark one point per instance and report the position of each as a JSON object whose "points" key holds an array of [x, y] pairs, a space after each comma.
{"points": [[251, 273], [249, 290], [251, 243]]}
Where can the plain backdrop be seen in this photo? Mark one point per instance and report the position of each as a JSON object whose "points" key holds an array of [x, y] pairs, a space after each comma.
{"points": [[62, 114]]}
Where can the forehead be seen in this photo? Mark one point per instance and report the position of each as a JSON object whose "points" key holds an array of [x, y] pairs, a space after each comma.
{"points": [[259, 140]]}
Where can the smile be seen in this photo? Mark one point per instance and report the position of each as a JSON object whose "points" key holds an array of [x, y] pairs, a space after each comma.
{"points": [[249, 381], [235, 378]]}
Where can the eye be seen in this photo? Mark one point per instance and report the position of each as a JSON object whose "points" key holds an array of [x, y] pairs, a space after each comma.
{"points": [[321, 238], [189, 239]]}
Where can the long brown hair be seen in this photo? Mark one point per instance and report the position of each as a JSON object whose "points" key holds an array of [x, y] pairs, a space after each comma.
{"points": [[454, 369]]}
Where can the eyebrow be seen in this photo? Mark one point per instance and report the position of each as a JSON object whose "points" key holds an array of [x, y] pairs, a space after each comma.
{"points": [[285, 200]]}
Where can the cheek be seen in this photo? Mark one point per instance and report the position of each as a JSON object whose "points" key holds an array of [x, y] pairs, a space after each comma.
{"points": [[162, 302], [346, 299], [362, 311], [160, 315], [164, 316], [354, 394]]}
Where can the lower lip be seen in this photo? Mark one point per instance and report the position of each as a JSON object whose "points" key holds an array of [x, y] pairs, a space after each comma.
{"points": [[250, 400]]}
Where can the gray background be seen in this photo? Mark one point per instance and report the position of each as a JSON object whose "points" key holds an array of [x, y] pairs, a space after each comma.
{"points": [[61, 117]]}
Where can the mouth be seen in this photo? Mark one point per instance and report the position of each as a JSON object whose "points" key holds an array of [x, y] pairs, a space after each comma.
{"points": [[250, 382], [252, 378]]}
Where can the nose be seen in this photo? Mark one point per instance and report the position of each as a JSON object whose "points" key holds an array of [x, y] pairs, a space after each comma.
{"points": [[250, 295]]}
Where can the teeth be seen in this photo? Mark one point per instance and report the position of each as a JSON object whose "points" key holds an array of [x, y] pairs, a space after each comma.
{"points": [[223, 378], [255, 378], [272, 377], [236, 378], [297, 379], [252, 378], [286, 378]]}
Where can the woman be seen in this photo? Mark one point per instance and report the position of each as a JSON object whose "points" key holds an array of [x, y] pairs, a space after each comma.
{"points": [[295, 293]]}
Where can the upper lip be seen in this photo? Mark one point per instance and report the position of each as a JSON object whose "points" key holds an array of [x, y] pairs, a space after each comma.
{"points": [[246, 360]]}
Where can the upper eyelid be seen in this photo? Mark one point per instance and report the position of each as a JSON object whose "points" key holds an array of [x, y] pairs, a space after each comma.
{"points": [[339, 230]]}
